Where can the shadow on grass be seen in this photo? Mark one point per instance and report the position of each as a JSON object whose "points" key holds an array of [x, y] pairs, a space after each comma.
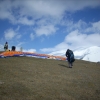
{"points": [[63, 65]]}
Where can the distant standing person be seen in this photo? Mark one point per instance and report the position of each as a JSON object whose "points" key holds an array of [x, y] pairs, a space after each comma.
{"points": [[70, 57], [6, 46]]}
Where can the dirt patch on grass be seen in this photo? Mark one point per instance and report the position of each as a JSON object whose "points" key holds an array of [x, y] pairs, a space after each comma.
{"points": [[26, 78]]}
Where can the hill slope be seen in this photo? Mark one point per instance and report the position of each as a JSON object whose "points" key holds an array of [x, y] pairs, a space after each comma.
{"points": [[27, 78]]}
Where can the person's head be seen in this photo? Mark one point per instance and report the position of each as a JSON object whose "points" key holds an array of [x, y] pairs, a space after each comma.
{"points": [[6, 42], [67, 49]]}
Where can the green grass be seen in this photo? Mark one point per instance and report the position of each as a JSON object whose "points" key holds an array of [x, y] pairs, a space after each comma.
{"points": [[26, 78]]}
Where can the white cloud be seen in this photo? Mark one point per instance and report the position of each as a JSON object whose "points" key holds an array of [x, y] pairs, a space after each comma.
{"points": [[18, 36], [41, 8], [25, 21], [32, 36], [27, 11], [78, 37], [5, 10], [59, 47], [18, 48], [45, 30], [20, 44], [48, 49], [74, 5], [18, 28], [74, 37], [70, 25], [10, 34], [96, 25], [56, 8], [30, 50], [1, 47]]}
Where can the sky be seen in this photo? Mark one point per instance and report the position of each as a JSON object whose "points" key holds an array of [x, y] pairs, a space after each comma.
{"points": [[46, 26]]}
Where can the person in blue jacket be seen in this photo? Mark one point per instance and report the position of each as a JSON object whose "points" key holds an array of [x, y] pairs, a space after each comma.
{"points": [[70, 57]]}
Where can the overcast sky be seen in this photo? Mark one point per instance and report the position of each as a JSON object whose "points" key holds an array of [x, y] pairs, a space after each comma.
{"points": [[46, 26]]}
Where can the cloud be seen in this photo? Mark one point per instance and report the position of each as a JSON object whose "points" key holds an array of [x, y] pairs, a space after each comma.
{"points": [[10, 34], [1, 47], [55, 8], [71, 25], [59, 47], [20, 44], [18, 36], [96, 26], [91, 27], [25, 21], [74, 40], [32, 36], [30, 50], [74, 5], [75, 37], [5, 9], [18, 28], [78, 37], [41, 8], [28, 11], [45, 30], [44, 16]]}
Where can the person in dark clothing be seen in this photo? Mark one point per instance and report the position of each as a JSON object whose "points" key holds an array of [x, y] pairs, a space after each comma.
{"points": [[6, 46], [70, 57]]}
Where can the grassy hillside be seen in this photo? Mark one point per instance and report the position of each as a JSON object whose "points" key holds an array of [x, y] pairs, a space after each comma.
{"points": [[26, 78]]}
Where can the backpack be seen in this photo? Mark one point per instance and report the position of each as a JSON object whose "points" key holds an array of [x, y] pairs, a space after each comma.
{"points": [[71, 54]]}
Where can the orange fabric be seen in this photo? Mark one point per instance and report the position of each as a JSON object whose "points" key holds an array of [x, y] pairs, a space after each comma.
{"points": [[12, 53]]}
